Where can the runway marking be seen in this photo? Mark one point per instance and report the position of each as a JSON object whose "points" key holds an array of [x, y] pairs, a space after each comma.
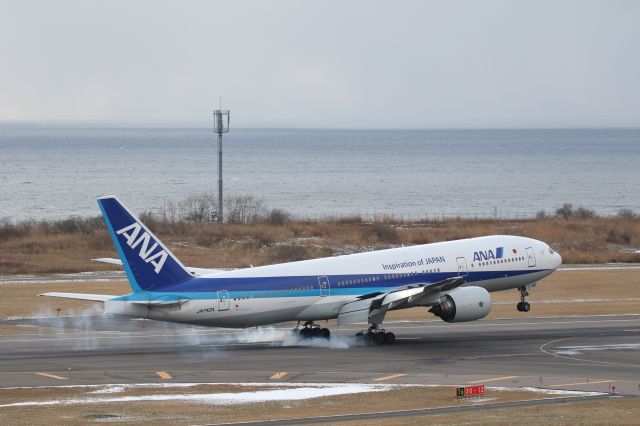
{"points": [[542, 349], [279, 375], [164, 375], [51, 376], [495, 379], [393, 376], [582, 383]]}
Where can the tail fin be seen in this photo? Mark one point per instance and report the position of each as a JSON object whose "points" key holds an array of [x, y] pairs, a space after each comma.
{"points": [[148, 263]]}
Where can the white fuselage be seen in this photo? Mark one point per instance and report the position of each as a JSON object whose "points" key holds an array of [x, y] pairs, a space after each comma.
{"points": [[317, 289]]}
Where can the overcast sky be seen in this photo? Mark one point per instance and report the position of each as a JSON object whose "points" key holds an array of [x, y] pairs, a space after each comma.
{"points": [[329, 64]]}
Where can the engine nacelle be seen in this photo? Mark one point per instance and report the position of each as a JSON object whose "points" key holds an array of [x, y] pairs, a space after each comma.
{"points": [[464, 304]]}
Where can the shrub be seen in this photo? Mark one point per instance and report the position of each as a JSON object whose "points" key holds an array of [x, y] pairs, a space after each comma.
{"points": [[566, 211], [200, 208], [627, 214], [10, 230], [74, 225], [244, 209], [541, 214], [278, 217], [148, 218], [584, 213], [619, 237], [346, 220], [385, 233]]}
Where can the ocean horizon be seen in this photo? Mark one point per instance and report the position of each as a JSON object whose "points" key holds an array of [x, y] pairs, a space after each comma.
{"points": [[56, 171]]}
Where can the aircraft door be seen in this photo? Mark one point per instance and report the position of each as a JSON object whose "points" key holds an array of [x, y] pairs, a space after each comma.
{"points": [[462, 267], [531, 255], [323, 283], [223, 300]]}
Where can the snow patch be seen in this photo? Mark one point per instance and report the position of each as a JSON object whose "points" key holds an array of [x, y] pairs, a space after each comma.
{"points": [[546, 391], [284, 393]]}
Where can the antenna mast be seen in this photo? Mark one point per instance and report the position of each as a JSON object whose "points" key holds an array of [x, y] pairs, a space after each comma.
{"points": [[220, 126]]}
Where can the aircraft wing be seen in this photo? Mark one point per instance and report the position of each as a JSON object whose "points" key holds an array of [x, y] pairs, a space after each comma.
{"points": [[373, 308], [195, 271]]}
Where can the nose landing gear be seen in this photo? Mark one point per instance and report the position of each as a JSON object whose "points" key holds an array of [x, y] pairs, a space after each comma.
{"points": [[523, 306]]}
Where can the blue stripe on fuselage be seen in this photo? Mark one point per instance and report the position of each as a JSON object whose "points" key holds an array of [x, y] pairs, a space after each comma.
{"points": [[306, 286]]}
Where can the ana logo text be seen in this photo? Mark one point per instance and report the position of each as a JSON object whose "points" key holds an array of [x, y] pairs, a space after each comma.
{"points": [[479, 256], [146, 253]]}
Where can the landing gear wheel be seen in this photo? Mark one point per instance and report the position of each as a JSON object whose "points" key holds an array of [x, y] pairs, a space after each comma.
{"points": [[325, 333], [376, 336], [313, 331], [305, 333], [523, 306], [389, 338]]}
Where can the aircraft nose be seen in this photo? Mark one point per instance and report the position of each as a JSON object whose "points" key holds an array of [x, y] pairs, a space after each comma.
{"points": [[557, 260]]}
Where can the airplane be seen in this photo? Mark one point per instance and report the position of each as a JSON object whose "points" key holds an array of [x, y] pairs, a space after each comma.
{"points": [[452, 279]]}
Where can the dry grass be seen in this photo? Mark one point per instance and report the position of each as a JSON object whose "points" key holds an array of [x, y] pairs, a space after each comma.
{"points": [[69, 247], [189, 413]]}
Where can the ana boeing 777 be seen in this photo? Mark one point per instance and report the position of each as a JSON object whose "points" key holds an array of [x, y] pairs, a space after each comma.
{"points": [[452, 279]]}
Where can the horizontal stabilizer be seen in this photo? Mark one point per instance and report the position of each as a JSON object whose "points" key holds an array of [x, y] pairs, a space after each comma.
{"points": [[81, 296], [110, 260]]}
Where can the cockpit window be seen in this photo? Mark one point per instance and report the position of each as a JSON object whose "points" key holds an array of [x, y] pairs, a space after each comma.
{"points": [[551, 250]]}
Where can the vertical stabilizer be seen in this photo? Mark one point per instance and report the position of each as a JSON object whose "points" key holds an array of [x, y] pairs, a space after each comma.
{"points": [[149, 265]]}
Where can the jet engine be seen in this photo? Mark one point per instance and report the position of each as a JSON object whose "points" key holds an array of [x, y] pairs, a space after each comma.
{"points": [[463, 304]]}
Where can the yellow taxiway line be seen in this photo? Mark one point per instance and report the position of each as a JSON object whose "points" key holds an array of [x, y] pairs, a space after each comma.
{"points": [[164, 375], [279, 375], [51, 376], [393, 376]]}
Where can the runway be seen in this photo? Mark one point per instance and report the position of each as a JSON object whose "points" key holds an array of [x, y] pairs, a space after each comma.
{"points": [[577, 353]]}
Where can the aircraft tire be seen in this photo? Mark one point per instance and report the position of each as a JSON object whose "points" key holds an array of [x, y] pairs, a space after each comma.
{"points": [[378, 338], [519, 307], [305, 333], [389, 338], [325, 333], [526, 307]]}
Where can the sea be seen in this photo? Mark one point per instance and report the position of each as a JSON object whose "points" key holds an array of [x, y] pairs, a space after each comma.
{"points": [[53, 172]]}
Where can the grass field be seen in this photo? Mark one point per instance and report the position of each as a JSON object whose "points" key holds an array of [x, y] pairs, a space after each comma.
{"points": [[186, 412], [69, 246]]}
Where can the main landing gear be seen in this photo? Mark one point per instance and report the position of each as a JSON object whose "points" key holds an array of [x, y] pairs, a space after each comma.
{"points": [[523, 306], [310, 331], [377, 336]]}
